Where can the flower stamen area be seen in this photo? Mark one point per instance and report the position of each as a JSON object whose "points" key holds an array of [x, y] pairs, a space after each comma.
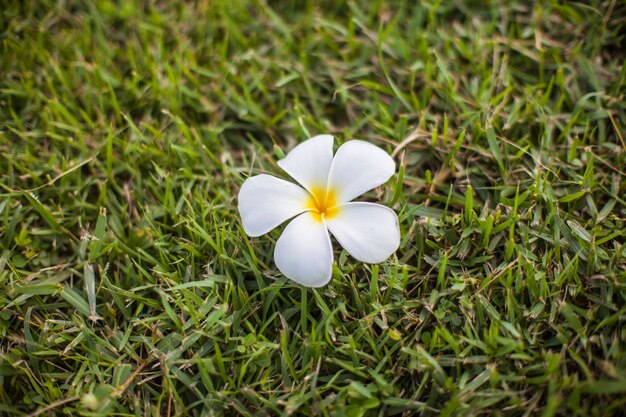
{"points": [[322, 203]]}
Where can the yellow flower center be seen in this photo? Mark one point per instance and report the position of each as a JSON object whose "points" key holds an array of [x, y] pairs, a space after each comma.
{"points": [[322, 203]]}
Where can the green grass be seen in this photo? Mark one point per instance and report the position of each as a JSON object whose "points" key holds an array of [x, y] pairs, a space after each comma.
{"points": [[127, 285]]}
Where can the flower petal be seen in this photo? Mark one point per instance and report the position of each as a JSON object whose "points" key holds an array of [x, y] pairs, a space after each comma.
{"points": [[309, 162], [266, 201], [303, 252], [368, 232], [358, 167]]}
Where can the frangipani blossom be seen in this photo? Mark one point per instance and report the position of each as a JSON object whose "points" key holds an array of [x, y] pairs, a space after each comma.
{"points": [[322, 203]]}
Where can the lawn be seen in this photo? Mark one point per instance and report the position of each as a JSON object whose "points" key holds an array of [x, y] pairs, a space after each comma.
{"points": [[129, 288]]}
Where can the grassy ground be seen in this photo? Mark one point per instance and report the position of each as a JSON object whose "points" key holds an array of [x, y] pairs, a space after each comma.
{"points": [[127, 286]]}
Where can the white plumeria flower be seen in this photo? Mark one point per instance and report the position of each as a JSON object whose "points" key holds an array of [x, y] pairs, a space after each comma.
{"points": [[368, 232]]}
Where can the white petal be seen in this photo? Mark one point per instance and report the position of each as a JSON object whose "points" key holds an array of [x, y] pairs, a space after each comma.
{"points": [[309, 162], [266, 201], [368, 232], [358, 167], [304, 253]]}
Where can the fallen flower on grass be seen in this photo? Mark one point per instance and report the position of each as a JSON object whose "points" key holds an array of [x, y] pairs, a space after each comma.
{"points": [[368, 232]]}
